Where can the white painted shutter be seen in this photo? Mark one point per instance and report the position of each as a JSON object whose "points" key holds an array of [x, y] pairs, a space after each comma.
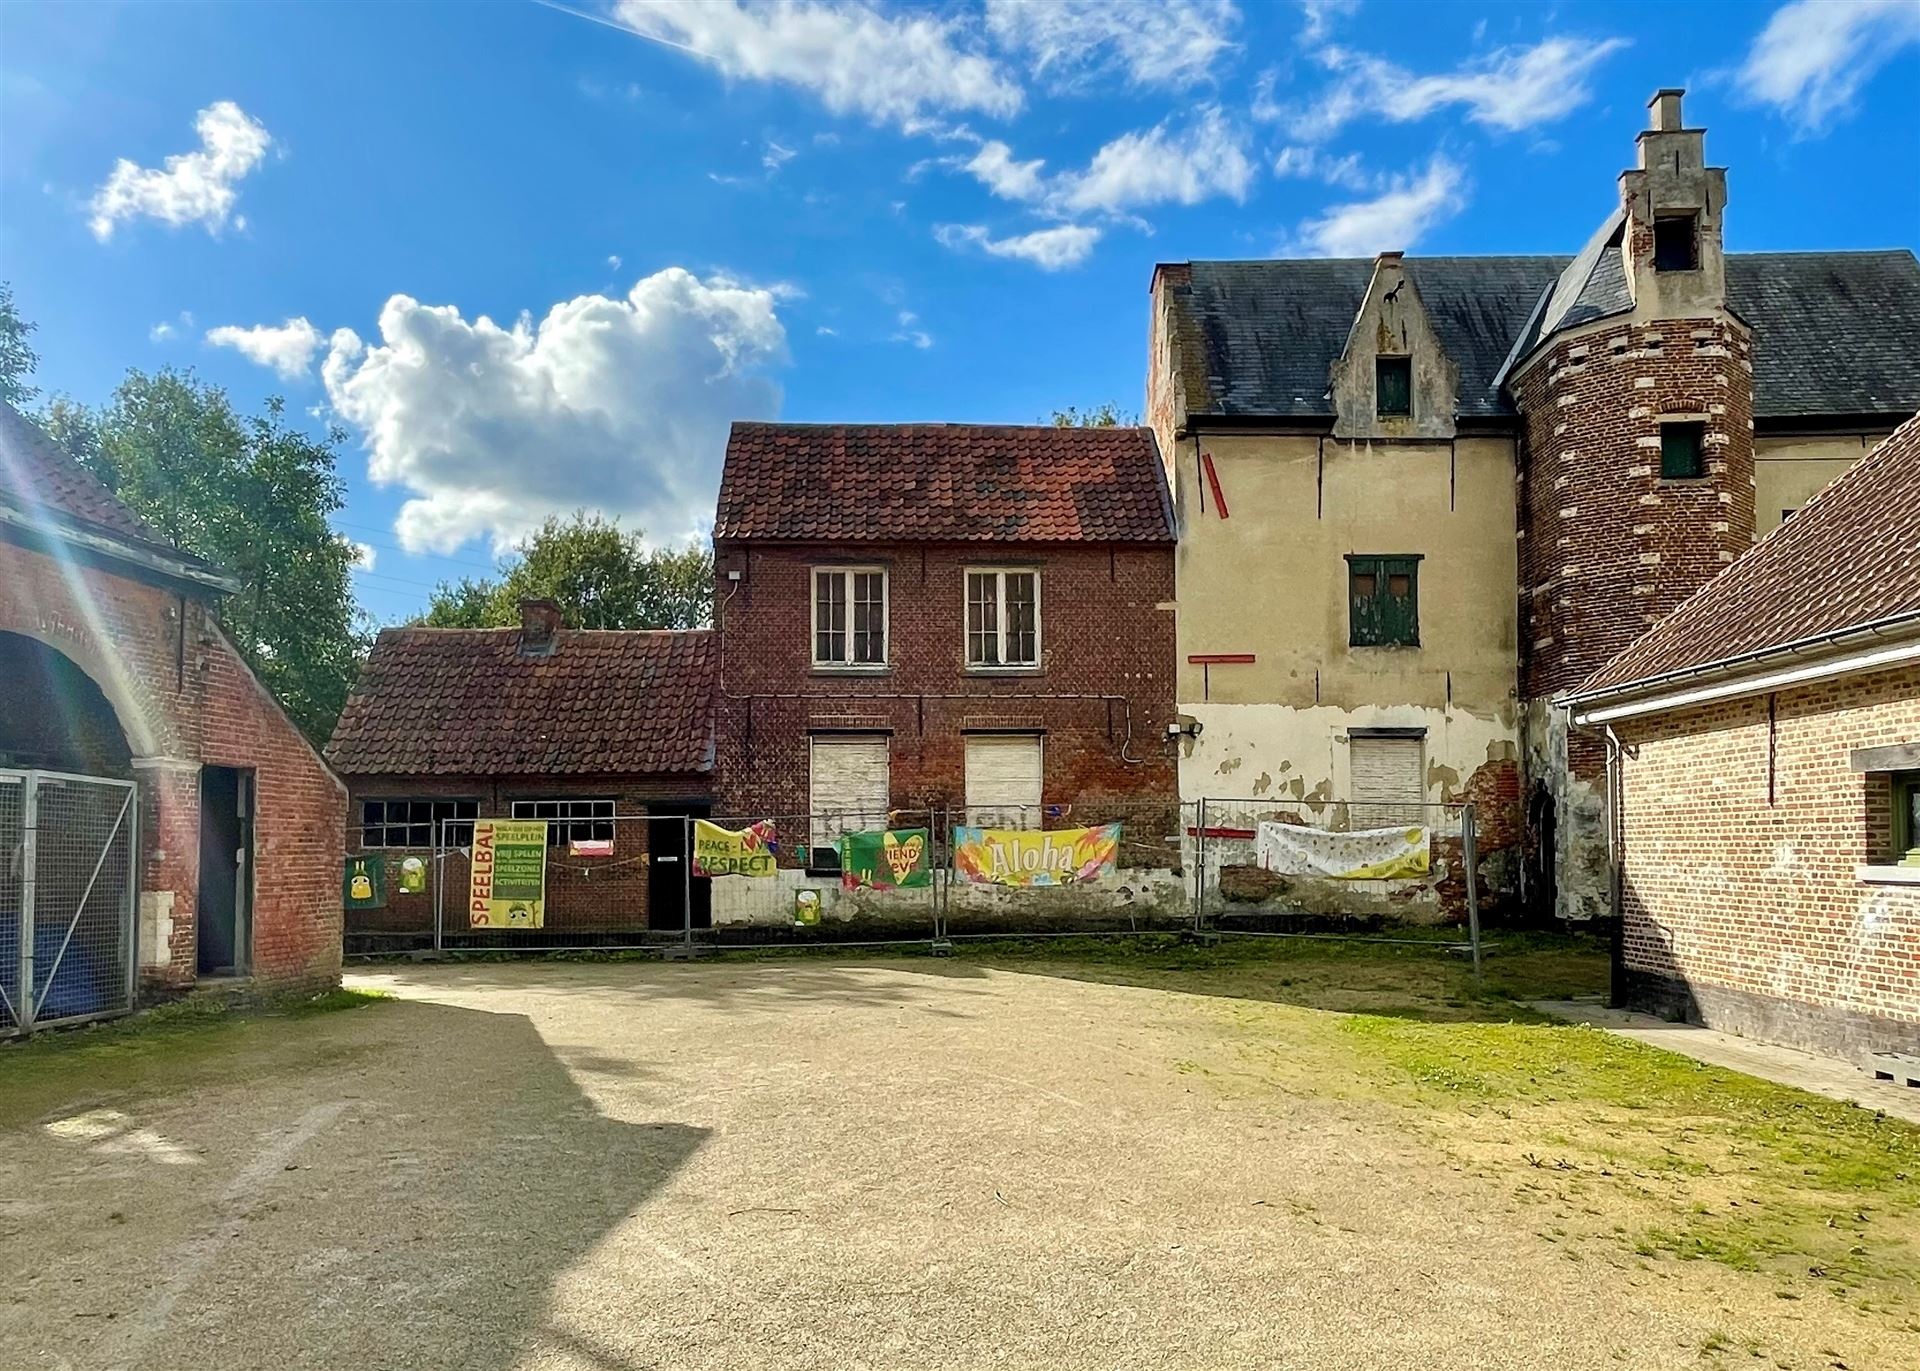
{"points": [[1003, 780], [1388, 784], [847, 789]]}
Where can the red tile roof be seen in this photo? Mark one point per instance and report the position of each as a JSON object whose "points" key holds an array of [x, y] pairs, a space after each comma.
{"points": [[943, 483], [455, 701], [1850, 558], [36, 474]]}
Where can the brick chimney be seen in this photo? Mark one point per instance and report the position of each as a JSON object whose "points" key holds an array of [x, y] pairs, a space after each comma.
{"points": [[539, 628]]}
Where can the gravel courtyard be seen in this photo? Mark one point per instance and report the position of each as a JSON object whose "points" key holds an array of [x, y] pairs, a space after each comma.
{"points": [[836, 1164]]}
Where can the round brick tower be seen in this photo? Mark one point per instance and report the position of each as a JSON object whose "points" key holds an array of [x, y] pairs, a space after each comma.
{"points": [[1636, 401]]}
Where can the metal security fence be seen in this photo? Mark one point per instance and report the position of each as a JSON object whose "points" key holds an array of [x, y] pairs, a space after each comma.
{"points": [[67, 898]]}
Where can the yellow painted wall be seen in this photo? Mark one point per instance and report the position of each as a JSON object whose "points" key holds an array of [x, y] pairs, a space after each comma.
{"points": [[1788, 472]]}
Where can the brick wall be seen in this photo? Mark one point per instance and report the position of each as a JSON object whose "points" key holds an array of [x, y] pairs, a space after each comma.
{"points": [[185, 699], [1102, 634], [1742, 837]]}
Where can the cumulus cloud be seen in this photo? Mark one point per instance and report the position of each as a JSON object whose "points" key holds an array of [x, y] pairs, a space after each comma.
{"points": [[1050, 249], [288, 348], [365, 555], [1393, 220], [1173, 43], [1508, 89], [1814, 55], [620, 405], [887, 68], [995, 167], [198, 187], [1162, 165]]}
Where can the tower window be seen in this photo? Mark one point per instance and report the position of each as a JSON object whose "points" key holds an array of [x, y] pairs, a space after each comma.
{"points": [[1393, 386], [1676, 242], [1383, 601], [1683, 454]]}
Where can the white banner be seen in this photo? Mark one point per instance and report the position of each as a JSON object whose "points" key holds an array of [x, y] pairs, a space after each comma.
{"points": [[1368, 854]]}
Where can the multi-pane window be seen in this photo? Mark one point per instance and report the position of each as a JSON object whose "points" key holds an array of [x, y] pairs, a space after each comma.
{"points": [[849, 616], [417, 823], [1383, 601], [570, 821], [1003, 618], [1393, 386], [1676, 242], [1683, 451]]}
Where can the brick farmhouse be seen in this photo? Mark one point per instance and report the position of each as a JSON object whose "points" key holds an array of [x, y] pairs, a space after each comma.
{"points": [[113, 665], [606, 734], [1765, 762]]}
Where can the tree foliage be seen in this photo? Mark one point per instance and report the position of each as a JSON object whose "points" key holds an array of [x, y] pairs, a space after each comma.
{"points": [[17, 357], [1108, 415], [600, 575]]}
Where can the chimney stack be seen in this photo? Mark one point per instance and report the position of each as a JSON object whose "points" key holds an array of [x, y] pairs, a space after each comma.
{"points": [[539, 628], [1666, 110]]}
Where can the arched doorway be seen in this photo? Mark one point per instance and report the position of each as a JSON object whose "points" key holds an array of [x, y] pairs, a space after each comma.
{"points": [[52, 715]]}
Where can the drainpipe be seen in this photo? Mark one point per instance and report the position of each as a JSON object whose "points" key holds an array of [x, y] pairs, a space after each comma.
{"points": [[1615, 790]]}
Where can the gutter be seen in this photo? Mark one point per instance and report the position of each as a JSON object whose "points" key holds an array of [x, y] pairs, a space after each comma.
{"points": [[173, 568]]}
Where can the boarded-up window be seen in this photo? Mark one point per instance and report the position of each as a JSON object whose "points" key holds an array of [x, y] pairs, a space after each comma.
{"points": [[847, 786], [1392, 386], [1003, 780], [1387, 784], [1683, 450], [1383, 601]]}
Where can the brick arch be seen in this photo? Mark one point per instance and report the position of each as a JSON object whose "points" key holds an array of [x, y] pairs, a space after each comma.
{"points": [[113, 678]]}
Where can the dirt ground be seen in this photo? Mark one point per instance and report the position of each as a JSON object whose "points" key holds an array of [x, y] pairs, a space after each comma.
{"points": [[818, 1164]]}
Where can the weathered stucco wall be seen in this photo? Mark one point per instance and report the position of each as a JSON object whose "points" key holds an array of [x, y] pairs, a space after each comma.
{"points": [[1788, 472]]}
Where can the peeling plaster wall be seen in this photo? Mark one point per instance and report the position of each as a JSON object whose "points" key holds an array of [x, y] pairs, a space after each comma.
{"points": [[1788, 472]]}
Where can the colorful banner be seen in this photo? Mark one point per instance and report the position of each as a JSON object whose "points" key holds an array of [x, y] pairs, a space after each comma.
{"points": [[1014, 856], [897, 857], [1368, 854], [365, 885], [750, 851], [508, 887]]}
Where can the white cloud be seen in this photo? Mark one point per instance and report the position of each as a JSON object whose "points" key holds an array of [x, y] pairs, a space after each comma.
{"points": [[1158, 166], [1050, 249], [1320, 14], [365, 555], [825, 332], [910, 332], [1391, 221], [198, 187], [995, 168], [620, 405], [160, 332], [890, 69], [1814, 55], [613, 261], [1172, 43], [288, 348], [1311, 164], [776, 156], [1509, 89]]}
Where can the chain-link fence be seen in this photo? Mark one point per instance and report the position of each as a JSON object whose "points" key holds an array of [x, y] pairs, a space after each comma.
{"points": [[67, 895]]}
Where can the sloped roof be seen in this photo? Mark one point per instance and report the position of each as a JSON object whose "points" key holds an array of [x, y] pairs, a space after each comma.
{"points": [[943, 483], [1833, 332], [452, 701], [1850, 558]]}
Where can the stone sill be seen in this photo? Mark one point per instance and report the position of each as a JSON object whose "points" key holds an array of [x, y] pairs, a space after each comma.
{"points": [[1888, 875]]}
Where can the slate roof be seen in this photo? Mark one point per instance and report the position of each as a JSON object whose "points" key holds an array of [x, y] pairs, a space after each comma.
{"points": [[943, 483], [1833, 332], [455, 701], [36, 474], [1849, 558]]}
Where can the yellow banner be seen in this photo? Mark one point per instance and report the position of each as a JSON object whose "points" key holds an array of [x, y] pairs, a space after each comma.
{"points": [[750, 851], [508, 884], [1370, 854], [1014, 856]]}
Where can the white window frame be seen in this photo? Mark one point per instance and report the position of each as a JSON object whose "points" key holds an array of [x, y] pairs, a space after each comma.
{"points": [[846, 575], [1000, 574], [560, 828]]}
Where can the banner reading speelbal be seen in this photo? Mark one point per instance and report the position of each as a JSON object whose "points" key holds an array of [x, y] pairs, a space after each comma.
{"points": [[508, 887], [1011, 856], [884, 861]]}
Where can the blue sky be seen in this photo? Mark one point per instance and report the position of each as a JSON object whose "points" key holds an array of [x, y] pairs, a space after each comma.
{"points": [[534, 257]]}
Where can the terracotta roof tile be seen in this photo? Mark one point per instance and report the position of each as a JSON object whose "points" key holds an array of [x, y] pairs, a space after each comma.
{"points": [[943, 483], [441, 701], [35, 473], [1849, 558]]}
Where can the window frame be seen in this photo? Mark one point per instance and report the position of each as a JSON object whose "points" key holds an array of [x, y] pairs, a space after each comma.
{"points": [[1691, 219], [562, 826], [461, 832], [1398, 361], [1382, 565], [846, 575], [1000, 572], [1677, 425], [1905, 796]]}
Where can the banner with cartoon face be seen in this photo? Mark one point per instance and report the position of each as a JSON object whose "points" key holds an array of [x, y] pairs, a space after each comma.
{"points": [[895, 858], [508, 887]]}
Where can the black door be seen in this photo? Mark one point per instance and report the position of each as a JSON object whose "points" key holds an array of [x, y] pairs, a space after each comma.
{"points": [[224, 912], [668, 882]]}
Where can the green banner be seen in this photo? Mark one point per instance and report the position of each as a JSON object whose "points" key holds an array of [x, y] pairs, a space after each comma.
{"points": [[365, 884], [508, 884], [895, 858]]}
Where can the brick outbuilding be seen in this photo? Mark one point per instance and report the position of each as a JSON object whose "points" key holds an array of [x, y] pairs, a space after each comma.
{"points": [[1764, 745], [113, 665]]}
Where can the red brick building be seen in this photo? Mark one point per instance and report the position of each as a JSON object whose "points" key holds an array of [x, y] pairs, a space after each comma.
{"points": [[608, 735], [942, 617], [1765, 750], [114, 666]]}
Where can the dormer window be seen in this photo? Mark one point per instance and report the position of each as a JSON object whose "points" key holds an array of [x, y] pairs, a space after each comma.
{"points": [[1676, 242], [1393, 387]]}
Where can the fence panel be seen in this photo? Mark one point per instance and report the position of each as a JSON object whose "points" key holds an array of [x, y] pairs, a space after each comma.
{"points": [[13, 801]]}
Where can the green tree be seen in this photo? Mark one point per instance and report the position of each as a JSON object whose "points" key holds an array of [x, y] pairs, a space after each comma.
{"points": [[1108, 415], [17, 358], [600, 575]]}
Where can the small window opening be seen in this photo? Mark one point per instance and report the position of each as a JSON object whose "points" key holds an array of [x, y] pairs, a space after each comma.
{"points": [[1683, 451], [1676, 242], [1383, 601], [1393, 386]]}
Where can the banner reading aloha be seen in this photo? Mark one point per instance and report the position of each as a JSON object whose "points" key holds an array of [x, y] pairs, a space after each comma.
{"points": [[884, 861], [749, 851], [508, 887], [1367, 854], [1013, 856]]}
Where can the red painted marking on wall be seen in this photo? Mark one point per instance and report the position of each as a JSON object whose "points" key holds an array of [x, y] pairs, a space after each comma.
{"points": [[1212, 832], [1218, 658], [1213, 482]]}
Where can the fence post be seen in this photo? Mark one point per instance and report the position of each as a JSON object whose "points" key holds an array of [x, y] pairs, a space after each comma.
{"points": [[132, 935], [686, 884], [439, 888], [1469, 858], [1200, 865], [23, 1014]]}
